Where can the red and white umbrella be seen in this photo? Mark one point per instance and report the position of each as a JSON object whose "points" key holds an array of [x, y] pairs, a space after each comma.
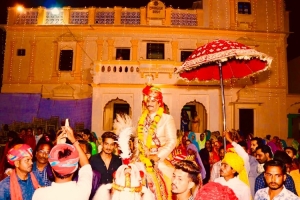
{"points": [[223, 60]]}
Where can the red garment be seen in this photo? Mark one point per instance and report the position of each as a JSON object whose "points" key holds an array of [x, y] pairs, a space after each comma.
{"points": [[228, 146], [214, 157], [3, 161], [15, 189], [30, 140]]}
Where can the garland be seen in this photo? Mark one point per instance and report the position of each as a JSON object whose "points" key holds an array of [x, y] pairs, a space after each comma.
{"points": [[151, 132]]}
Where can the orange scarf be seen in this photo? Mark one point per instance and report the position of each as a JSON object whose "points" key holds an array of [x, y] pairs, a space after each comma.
{"points": [[15, 189]]}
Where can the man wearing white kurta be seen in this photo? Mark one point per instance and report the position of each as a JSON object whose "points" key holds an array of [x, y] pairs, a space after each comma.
{"points": [[234, 175], [160, 129]]}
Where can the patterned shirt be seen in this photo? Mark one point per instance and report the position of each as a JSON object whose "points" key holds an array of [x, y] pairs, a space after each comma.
{"points": [[215, 171], [41, 175], [289, 183], [263, 194], [26, 186]]}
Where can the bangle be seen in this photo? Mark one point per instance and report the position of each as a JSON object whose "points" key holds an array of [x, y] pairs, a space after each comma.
{"points": [[74, 141]]}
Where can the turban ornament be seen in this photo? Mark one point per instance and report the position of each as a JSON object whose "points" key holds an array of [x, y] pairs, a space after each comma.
{"points": [[152, 93], [65, 165]]}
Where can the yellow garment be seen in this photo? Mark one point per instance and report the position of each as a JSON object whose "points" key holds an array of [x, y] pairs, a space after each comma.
{"points": [[295, 174], [237, 163]]}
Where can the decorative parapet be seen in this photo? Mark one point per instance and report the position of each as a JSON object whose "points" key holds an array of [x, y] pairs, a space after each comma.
{"points": [[131, 16], [79, 16], [184, 17], [52, 18], [28, 16], [156, 67], [105, 16], [131, 71]]}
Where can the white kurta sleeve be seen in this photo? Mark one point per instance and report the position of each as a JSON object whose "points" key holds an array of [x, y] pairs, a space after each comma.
{"points": [[243, 154]]}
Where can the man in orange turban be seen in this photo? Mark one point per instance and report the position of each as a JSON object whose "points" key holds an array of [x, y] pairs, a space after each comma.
{"points": [[157, 135], [21, 183]]}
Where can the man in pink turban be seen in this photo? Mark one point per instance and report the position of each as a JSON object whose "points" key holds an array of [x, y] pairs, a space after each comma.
{"points": [[21, 184], [64, 159]]}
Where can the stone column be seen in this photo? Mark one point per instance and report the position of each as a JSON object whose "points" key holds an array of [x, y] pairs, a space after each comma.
{"points": [[55, 57], [78, 60], [66, 15], [118, 12], [134, 45], [32, 59], [41, 15], [99, 49], [200, 17], [168, 16], [279, 10], [91, 19], [143, 16], [175, 51], [11, 59], [211, 14], [232, 6], [110, 43]]}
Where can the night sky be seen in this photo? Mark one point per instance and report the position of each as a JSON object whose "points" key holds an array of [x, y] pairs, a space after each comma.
{"points": [[291, 5]]}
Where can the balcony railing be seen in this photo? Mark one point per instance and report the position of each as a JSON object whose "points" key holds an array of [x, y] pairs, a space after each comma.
{"points": [[100, 16]]}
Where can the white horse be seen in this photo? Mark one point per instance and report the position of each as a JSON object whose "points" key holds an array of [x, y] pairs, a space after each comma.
{"points": [[127, 185]]}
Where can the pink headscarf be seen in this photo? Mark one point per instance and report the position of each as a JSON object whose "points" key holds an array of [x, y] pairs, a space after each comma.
{"points": [[65, 165], [18, 152]]}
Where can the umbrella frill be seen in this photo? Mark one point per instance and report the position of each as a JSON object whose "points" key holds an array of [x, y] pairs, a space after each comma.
{"points": [[222, 51]]}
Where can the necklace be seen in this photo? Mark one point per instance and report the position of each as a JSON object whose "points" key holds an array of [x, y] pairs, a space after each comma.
{"points": [[151, 132]]}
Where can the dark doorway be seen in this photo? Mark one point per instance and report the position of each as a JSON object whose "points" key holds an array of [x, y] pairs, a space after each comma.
{"points": [[246, 121], [186, 116], [120, 109]]}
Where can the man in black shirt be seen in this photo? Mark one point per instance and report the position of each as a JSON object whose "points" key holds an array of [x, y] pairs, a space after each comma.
{"points": [[106, 162], [204, 154]]}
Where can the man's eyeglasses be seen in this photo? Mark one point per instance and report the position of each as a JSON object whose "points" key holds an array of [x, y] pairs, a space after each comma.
{"points": [[44, 152]]}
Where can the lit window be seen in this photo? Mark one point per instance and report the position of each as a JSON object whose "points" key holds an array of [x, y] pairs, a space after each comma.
{"points": [[66, 60], [244, 8], [123, 54], [155, 51], [185, 55], [21, 52]]}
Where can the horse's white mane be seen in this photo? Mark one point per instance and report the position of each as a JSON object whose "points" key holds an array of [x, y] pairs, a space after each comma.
{"points": [[123, 128]]}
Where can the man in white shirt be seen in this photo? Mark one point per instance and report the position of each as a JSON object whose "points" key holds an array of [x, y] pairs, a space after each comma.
{"points": [[249, 161], [234, 175], [64, 159], [215, 171], [275, 175]]}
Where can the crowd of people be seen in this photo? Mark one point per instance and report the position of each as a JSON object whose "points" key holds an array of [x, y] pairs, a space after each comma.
{"points": [[153, 161]]}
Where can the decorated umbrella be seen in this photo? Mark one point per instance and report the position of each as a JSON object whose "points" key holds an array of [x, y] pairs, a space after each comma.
{"points": [[223, 60]]}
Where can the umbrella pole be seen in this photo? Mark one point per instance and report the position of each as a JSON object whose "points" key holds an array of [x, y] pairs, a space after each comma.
{"points": [[223, 101]]}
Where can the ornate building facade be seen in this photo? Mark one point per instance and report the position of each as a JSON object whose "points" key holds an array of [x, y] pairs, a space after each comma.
{"points": [[108, 54]]}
